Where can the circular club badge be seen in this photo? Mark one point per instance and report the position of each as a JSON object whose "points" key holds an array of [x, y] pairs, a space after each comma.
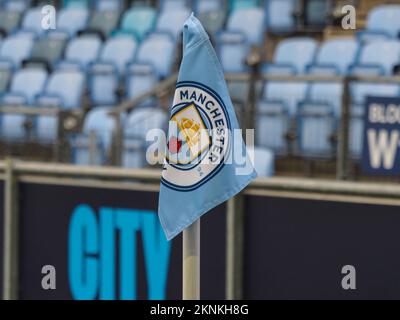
{"points": [[198, 137]]}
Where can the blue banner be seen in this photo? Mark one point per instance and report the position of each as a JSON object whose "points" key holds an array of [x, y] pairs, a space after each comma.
{"points": [[381, 136]]}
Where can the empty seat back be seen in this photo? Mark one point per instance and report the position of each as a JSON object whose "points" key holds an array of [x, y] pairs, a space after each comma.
{"points": [[83, 50], [68, 85], [297, 52], [32, 21], [9, 21], [172, 20], [382, 56], [72, 20], [158, 51], [17, 5], [335, 56], [327, 93], [250, 22], [386, 19], [5, 77], [139, 20], [140, 78], [280, 14], [233, 50], [119, 51], [104, 21], [28, 83], [15, 49]]}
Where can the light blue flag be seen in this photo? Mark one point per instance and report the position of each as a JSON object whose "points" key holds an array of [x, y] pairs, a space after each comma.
{"points": [[205, 162]]}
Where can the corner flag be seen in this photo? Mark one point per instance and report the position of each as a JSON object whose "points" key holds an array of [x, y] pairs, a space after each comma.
{"points": [[201, 167]]}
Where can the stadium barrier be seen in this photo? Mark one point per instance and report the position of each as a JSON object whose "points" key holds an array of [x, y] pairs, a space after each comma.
{"points": [[280, 238]]}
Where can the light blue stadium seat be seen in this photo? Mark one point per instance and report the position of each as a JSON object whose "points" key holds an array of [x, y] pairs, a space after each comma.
{"points": [[263, 161], [172, 21], [275, 112], [233, 50], [250, 22], [17, 5], [272, 125], [335, 56], [292, 56], [14, 49], [377, 58], [242, 4], [139, 79], [139, 21], [102, 126], [137, 126], [326, 93], [383, 22], [212, 14], [72, 20], [173, 4], [5, 77], [77, 3], [208, 5], [158, 50], [114, 5], [316, 124], [64, 89], [289, 93], [280, 15], [32, 22], [80, 52], [25, 85], [107, 72]]}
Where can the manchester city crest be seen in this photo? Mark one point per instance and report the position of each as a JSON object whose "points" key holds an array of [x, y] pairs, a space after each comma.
{"points": [[198, 137]]}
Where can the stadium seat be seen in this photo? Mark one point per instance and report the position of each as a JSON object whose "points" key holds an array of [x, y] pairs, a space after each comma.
{"points": [[280, 15], [263, 161], [80, 52], [109, 5], [383, 22], [76, 3], [103, 22], [140, 78], [249, 22], [138, 124], [212, 14], [107, 72], [5, 77], [47, 51], [17, 5], [158, 50], [275, 111], [173, 4], [292, 56], [9, 21], [233, 50], [326, 93], [272, 125], [171, 21], [316, 13], [25, 85], [72, 20], [32, 22], [138, 20], [242, 4], [377, 58], [334, 57], [14, 49], [101, 125], [64, 89], [316, 124]]}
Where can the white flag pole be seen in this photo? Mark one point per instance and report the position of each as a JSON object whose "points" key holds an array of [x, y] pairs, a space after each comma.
{"points": [[191, 262]]}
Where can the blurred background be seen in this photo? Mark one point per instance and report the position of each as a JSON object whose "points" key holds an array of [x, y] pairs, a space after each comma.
{"points": [[78, 97]]}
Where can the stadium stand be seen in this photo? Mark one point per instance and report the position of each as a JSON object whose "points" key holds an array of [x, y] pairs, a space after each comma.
{"points": [[106, 52]]}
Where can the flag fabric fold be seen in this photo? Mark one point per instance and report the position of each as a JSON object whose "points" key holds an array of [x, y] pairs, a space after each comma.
{"points": [[200, 169]]}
